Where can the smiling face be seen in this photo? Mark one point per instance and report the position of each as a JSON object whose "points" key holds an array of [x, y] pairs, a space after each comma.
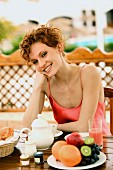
{"points": [[47, 59]]}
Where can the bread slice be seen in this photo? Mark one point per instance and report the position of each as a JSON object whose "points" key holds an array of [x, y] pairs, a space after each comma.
{"points": [[6, 133]]}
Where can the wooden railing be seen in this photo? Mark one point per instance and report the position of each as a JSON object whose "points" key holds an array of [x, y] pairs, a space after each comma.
{"points": [[17, 77], [83, 54]]}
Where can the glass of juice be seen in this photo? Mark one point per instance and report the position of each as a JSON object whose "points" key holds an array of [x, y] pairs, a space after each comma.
{"points": [[95, 131]]}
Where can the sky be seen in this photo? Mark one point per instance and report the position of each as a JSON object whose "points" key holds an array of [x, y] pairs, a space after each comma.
{"points": [[20, 11]]}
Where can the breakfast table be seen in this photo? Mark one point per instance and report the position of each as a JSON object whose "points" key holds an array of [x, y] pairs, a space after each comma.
{"points": [[12, 162]]}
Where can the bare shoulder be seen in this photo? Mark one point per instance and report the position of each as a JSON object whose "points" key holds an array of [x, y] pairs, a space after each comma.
{"points": [[90, 72]]}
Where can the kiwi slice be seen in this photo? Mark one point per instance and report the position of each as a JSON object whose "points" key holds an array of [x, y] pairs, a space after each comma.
{"points": [[89, 141], [85, 150]]}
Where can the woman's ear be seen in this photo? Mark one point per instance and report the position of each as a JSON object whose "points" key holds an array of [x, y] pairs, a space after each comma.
{"points": [[60, 47]]}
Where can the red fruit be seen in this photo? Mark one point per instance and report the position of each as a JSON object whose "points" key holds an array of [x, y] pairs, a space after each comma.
{"points": [[75, 133], [75, 139]]}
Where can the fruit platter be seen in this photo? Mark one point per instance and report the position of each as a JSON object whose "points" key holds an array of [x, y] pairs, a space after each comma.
{"points": [[76, 153]]}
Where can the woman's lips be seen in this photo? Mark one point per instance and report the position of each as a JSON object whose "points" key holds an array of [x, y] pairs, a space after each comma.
{"points": [[48, 68]]}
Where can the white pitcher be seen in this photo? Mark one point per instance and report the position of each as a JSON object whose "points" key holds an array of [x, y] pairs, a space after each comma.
{"points": [[41, 133]]}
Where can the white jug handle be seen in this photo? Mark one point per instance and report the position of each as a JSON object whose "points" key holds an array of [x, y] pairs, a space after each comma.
{"points": [[24, 133], [54, 128]]}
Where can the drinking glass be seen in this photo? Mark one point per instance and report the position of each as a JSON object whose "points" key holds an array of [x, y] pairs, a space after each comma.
{"points": [[95, 131]]}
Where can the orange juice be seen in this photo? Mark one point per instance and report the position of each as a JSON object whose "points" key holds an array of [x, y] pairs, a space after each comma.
{"points": [[96, 133]]}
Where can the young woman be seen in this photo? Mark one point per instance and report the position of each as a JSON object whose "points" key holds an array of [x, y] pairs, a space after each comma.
{"points": [[75, 93]]}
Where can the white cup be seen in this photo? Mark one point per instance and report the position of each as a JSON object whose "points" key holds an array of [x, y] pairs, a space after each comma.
{"points": [[30, 147]]}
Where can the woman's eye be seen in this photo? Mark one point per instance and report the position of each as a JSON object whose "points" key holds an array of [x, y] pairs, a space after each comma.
{"points": [[35, 61], [44, 54]]}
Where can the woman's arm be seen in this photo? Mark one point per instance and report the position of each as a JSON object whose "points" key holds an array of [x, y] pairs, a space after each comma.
{"points": [[92, 87], [36, 101]]}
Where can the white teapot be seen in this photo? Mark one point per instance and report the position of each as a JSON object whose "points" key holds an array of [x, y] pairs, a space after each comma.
{"points": [[42, 133]]}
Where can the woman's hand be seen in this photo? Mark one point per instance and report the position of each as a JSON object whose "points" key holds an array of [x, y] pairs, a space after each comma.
{"points": [[39, 80]]}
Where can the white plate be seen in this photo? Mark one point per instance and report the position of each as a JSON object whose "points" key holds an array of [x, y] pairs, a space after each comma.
{"points": [[57, 164], [58, 133], [83, 134]]}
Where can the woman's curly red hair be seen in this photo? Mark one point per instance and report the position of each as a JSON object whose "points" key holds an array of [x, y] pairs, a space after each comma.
{"points": [[46, 35]]}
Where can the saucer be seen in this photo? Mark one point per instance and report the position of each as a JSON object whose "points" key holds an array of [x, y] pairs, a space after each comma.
{"points": [[58, 133]]}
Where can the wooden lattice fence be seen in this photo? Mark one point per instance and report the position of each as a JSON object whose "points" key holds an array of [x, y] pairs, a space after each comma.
{"points": [[16, 77]]}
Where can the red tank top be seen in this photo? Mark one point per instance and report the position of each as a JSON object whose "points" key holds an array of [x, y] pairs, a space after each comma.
{"points": [[65, 115]]}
